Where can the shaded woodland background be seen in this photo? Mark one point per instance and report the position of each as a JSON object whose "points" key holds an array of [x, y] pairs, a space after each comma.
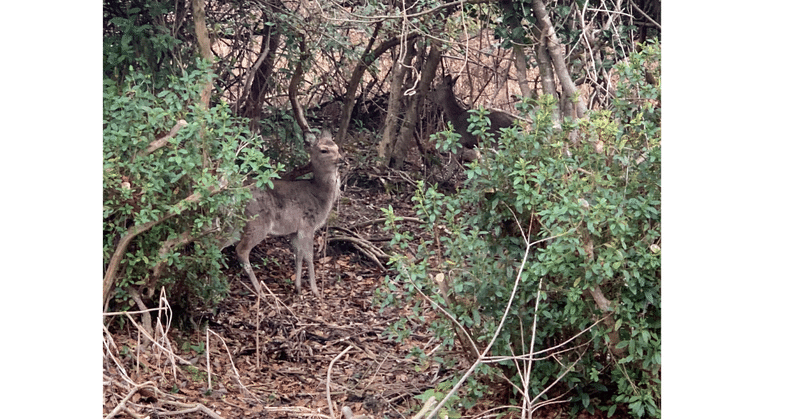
{"points": [[361, 64]]}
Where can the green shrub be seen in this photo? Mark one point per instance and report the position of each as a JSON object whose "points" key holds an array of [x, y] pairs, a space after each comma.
{"points": [[137, 38], [592, 207], [172, 201]]}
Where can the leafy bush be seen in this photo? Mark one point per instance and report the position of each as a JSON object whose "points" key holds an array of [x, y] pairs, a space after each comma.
{"points": [[164, 204], [568, 231], [137, 38]]}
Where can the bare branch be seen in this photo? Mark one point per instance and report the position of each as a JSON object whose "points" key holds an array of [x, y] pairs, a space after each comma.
{"points": [[161, 142]]}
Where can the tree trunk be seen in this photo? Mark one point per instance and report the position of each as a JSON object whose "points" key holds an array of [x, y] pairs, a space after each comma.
{"points": [[520, 64], [521, 68], [395, 104], [204, 43], [403, 141], [557, 57], [367, 58], [352, 87], [260, 77]]}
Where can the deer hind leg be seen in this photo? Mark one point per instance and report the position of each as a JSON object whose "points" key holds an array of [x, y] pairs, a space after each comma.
{"points": [[304, 251], [243, 249]]}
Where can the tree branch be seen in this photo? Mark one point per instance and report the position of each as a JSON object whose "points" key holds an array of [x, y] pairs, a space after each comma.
{"points": [[161, 142], [125, 240]]}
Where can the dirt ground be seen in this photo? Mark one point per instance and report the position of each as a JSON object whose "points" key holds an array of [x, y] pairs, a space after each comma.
{"points": [[291, 356]]}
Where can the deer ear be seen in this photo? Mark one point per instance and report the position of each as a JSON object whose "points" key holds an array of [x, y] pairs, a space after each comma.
{"points": [[326, 134], [453, 81], [310, 139]]}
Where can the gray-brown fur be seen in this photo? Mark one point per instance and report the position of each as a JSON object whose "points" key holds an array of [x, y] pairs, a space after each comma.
{"points": [[296, 208], [458, 116]]}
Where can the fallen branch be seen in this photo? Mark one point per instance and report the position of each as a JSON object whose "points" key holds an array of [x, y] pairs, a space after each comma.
{"points": [[188, 408], [366, 247], [383, 220], [121, 404]]}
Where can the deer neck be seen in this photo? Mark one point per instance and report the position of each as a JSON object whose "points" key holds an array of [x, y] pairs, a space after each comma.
{"points": [[451, 108], [327, 182]]}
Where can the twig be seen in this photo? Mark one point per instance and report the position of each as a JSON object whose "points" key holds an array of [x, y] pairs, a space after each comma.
{"points": [[164, 330], [133, 414], [258, 331], [278, 301], [119, 313], [230, 358], [447, 314], [151, 339], [367, 248], [328, 383], [113, 358], [658, 25], [428, 403], [494, 337], [208, 358]]}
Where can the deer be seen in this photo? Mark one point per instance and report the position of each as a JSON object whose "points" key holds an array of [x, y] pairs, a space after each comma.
{"points": [[295, 208], [444, 96]]}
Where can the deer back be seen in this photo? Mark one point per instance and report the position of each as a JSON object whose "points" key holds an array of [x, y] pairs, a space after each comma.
{"points": [[458, 116]]}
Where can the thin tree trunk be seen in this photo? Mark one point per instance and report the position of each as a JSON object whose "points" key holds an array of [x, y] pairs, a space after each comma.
{"points": [[395, 104], [294, 86], [518, 51], [261, 73], [403, 141], [521, 68], [367, 58], [355, 78], [204, 44], [554, 48]]}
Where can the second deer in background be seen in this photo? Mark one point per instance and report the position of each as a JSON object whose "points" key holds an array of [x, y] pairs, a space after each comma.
{"points": [[458, 116], [295, 208]]}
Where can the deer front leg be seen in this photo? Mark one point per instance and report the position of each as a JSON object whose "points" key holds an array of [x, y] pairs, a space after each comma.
{"points": [[243, 253], [252, 275], [311, 278]]}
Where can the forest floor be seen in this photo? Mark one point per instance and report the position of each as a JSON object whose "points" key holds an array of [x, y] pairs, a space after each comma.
{"points": [[292, 356]]}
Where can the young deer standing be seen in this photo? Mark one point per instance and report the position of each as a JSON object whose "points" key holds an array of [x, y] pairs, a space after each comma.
{"points": [[296, 208], [458, 116]]}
